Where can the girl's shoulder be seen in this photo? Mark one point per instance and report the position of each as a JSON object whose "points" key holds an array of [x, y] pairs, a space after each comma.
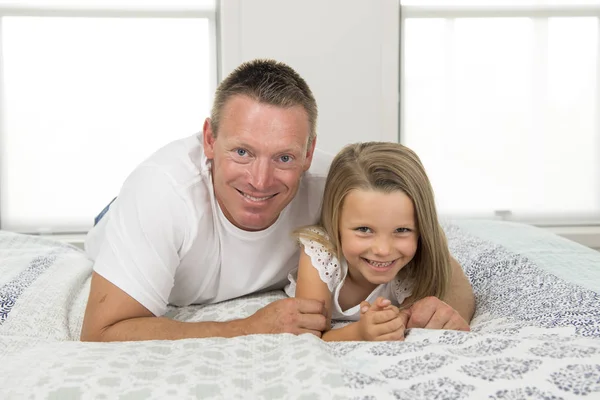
{"points": [[313, 232], [315, 242], [315, 239]]}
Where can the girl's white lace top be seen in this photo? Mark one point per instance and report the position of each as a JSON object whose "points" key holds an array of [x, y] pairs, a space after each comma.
{"points": [[333, 272]]}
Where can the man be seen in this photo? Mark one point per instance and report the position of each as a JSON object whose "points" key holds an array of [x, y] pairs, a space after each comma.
{"points": [[209, 218]]}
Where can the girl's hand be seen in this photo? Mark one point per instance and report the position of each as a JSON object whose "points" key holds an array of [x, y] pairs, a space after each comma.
{"points": [[381, 321]]}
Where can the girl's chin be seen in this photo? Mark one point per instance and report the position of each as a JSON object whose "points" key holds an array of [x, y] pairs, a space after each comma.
{"points": [[378, 279]]}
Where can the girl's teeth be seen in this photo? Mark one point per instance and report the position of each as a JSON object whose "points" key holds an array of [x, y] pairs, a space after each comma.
{"points": [[380, 264]]}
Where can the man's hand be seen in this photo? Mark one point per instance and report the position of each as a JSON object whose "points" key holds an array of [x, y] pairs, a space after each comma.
{"points": [[433, 313], [381, 321], [291, 315]]}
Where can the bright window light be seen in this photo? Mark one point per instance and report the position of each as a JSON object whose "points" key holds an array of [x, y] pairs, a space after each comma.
{"points": [[504, 113], [87, 99]]}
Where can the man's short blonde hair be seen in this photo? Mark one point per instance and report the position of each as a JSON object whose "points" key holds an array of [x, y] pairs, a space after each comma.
{"points": [[269, 82]]}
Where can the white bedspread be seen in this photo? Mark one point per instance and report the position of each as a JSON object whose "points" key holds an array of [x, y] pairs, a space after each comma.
{"points": [[534, 336]]}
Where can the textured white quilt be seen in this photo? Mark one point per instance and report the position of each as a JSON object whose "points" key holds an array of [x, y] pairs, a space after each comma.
{"points": [[534, 335]]}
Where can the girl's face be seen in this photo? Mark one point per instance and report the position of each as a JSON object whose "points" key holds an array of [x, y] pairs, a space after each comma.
{"points": [[378, 234]]}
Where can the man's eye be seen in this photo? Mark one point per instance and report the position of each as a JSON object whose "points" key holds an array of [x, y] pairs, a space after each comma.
{"points": [[286, 159], [241, 152]]}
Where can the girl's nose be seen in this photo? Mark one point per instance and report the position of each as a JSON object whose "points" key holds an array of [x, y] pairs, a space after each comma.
{"points": [[382, 246]]}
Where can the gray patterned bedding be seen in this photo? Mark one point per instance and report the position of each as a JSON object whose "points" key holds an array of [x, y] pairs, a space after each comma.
{"points": [[535, 334]]}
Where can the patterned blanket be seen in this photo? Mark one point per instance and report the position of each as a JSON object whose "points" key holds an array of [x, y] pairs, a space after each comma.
{"points": [[534, 336]]}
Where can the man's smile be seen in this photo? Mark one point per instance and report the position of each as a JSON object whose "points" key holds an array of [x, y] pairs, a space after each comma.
{"points": [[255, 198]]}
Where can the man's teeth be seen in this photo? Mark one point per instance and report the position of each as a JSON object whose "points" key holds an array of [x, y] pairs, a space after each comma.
{"points": [[256, 198], [380, 264]]}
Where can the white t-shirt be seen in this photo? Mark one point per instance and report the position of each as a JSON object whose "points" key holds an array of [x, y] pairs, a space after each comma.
{"points": [[333, 272], [165, 239]]}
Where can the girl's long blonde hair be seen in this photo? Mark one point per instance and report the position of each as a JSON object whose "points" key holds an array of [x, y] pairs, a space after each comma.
{"points": [[388, 167]]}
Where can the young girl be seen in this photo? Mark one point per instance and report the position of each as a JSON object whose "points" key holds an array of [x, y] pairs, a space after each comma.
{"points": [[378, 241]]}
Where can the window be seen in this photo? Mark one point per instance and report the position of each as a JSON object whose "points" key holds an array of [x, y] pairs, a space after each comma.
{"points": [[87, 94], [501, 102]]}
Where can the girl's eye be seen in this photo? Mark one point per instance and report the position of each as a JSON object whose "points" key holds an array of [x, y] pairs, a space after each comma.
{"points": [[363, 229], [241, 152], [285, 159], [402, 230]]}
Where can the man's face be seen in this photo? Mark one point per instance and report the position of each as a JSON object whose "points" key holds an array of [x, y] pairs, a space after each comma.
{"points": [[258, 158]]}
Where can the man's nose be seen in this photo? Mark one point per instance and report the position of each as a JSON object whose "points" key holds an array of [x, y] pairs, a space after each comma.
{"points": [[261, 174]]}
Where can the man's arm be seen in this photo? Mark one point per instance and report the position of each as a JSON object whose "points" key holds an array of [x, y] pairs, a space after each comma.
{"points": [[453, 312], [113, 315], [460, 293]]}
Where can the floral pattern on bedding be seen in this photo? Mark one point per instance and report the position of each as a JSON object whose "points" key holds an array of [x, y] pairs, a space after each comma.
{"points": [[287, 366], [534, 336]]}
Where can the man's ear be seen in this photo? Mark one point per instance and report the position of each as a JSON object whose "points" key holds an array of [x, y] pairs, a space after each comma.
{"points": [[309, 154], [208, 139]]}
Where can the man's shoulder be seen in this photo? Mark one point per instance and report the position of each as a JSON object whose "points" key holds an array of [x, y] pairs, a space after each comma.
{"points": [[181, 161]]}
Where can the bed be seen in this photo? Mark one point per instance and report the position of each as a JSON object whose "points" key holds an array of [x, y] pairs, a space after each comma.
{"points": [[535, 334]]}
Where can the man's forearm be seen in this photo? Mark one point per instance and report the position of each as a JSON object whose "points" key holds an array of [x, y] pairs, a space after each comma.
{"points": [[460, 293], [161, 328]]}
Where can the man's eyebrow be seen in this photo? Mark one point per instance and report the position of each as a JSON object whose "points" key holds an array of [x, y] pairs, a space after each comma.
{"points": [[295, 149], [237, 143]]}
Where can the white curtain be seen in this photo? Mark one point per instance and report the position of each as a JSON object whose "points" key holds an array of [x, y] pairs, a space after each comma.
{"points": [[84, 100], [504, 111]]}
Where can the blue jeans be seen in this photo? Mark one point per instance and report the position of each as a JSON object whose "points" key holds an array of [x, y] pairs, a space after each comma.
{"points": [[99, 216]]}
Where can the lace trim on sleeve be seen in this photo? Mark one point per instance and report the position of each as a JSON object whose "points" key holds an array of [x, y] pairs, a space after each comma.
{"points": [[323, 260], [402, 288]]}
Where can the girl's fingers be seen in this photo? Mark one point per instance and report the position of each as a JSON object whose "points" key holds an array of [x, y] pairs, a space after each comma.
{"points": [[379, 304], [394, 329], [394, 308], [382, 302], [383, 316], [392, 336], [364, 307]]}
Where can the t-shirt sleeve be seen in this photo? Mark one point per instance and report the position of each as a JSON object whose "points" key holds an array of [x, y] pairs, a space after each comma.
{"points": [[144, 233], [328, 265]]}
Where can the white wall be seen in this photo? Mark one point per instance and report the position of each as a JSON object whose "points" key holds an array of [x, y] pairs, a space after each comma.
{"points": [[346, 50]]}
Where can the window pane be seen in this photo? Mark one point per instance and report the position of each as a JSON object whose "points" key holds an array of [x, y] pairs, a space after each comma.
{"points": [[86, 100], [202, 5], [496, 3], [503, 113]]}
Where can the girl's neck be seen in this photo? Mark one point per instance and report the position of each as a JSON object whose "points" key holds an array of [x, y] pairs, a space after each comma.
{"points": [[359, 281], [355, 290]]}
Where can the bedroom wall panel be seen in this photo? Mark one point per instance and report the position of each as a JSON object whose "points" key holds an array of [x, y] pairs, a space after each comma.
{"points": [[347, 50]]}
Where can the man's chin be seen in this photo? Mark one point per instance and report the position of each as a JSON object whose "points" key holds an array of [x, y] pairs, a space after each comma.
{"points": [[253, 223]]}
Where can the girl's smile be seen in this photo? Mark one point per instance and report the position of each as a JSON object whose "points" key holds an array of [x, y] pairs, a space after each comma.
{"points": [[379, 266]]}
